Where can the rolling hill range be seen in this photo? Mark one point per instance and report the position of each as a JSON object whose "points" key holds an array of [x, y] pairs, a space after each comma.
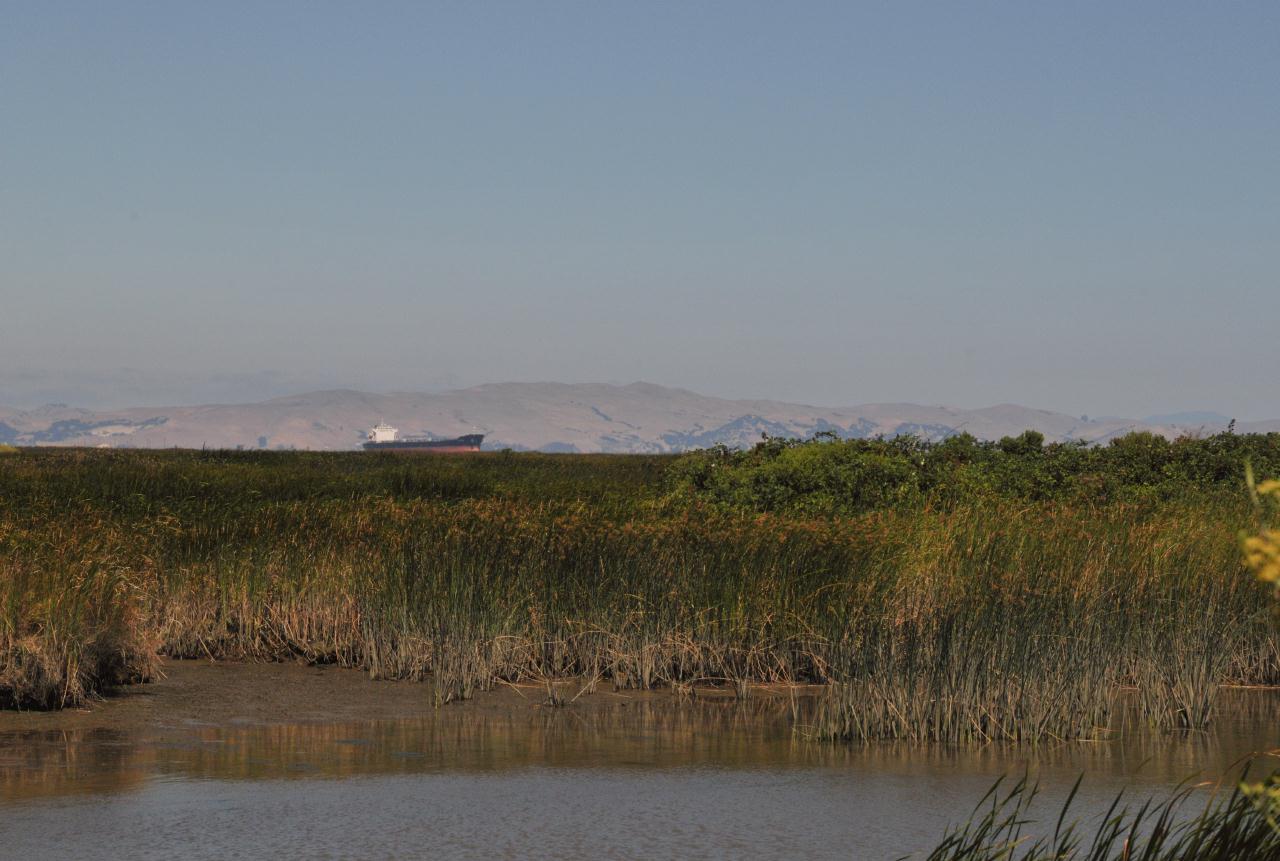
{"points": [[587, 417]]}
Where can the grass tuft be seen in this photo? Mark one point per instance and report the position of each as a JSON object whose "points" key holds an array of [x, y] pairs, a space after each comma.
{"points": [[1225, 829]]}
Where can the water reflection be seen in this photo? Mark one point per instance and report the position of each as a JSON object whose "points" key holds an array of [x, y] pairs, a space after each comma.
{"points": [[660, 733]]}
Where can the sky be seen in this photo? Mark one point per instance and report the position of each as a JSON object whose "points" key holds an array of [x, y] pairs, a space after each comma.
{"points": [[1073, 206]]}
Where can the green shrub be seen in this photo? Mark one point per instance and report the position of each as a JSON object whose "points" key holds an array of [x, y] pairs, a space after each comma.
{"points": [[832, 476]]}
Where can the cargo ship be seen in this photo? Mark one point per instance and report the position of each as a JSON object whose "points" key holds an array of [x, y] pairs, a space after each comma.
{"points": [[384, 437]]}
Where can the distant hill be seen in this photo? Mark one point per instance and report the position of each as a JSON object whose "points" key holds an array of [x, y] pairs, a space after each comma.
{"points": [[1217, 421], [587, 417]]}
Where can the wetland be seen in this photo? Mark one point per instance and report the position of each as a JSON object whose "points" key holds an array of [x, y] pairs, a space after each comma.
{"points": [[830, 648]]}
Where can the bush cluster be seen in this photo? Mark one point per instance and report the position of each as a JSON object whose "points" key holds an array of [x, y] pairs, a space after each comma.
{"points": [[831, 476]]}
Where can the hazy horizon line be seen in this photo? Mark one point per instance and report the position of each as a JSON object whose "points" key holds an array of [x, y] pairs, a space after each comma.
{"points": [[67, 397]]}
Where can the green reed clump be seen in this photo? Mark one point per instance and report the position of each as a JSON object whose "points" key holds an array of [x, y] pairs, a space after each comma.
{"points": [[1222, 830]]}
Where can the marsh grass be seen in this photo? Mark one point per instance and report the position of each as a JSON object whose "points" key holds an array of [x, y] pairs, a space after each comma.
{"points": [[71, 625], [989, 618], [1183, 827]]}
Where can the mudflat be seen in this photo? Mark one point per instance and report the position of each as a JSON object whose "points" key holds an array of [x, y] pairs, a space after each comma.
{"points": [[231, 693]]}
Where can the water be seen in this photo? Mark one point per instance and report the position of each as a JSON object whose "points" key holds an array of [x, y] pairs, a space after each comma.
{"points": [[654, 778]]}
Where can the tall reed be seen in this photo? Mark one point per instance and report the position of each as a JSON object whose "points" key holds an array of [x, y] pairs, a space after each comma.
{"points": [[983, 618]]}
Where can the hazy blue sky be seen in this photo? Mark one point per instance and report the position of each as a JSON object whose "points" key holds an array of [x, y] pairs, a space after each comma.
{"points": [[1067, 205]]}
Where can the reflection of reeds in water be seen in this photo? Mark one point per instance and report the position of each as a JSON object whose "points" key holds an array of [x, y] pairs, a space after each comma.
{"points": [[988, 620], [37, 764], [647, 732]]}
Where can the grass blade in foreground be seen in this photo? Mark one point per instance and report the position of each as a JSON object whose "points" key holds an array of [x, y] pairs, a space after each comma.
{"points": [[1230, 829]]}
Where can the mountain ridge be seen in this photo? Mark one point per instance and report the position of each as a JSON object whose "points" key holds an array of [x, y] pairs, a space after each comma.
{"points": [[551, 416]]}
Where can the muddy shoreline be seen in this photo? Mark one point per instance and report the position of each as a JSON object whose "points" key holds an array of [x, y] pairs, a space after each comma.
{"points": [[233, 693]]}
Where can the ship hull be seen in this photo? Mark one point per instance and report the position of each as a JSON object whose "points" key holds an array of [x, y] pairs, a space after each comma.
{"points": [[460, 445]]}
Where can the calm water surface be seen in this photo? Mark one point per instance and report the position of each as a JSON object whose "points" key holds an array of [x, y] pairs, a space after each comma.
{"points": [[658, 779]]}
